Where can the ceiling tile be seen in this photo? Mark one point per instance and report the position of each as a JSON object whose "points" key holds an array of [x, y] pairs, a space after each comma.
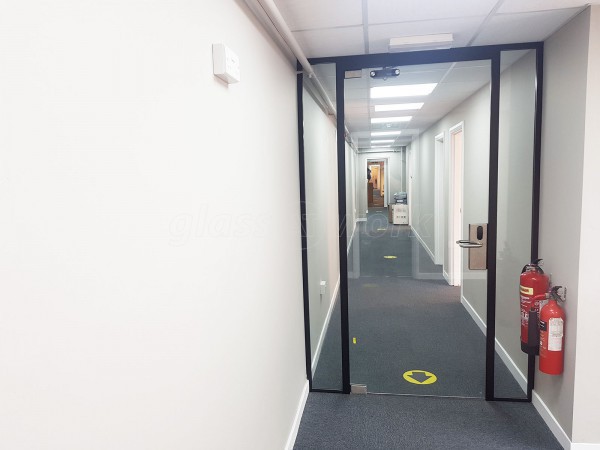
{"points": [[517, 6], [524, 27], [331, 42], [462, 28], [312, 14], [388, 11]]}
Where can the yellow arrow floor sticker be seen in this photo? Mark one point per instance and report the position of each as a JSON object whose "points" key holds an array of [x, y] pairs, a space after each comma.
{"points": [[419, 377], [390, 257]]}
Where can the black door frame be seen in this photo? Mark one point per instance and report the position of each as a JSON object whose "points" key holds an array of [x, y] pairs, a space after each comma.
{"points": [[356, 62]]}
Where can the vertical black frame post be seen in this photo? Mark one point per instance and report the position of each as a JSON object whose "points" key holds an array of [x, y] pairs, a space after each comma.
{"points": [[490, 354], [343, 230], [304, 239], [537, 178]]}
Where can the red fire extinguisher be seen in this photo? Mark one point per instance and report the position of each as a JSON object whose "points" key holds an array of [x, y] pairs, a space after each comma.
{"points": [[533, 285], [552, 335]]}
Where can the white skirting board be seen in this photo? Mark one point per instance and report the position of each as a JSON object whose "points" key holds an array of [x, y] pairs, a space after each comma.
{"points": [[352, 235], [538, 403], [552, 423], [510, 364], [332, 303], [447, 277], [427, 249], [297, 419]]}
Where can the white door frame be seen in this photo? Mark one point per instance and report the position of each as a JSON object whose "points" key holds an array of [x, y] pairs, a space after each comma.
{"points": [[456, 202], [386, 179], [439, 222]]}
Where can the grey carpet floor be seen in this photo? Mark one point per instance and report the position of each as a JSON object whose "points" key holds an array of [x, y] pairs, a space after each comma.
{"points": [[372, 422]]}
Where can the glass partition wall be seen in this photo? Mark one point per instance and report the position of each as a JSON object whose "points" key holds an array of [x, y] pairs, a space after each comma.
{"points": [[418, 219], [515, 205], [321, 230]]}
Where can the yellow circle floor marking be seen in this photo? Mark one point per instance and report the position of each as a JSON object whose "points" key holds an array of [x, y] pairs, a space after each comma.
{"points": [[427, 377], [390, 257], [354, 340]]}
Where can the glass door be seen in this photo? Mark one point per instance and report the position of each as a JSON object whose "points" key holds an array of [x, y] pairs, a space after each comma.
{"points": [[416, 301], [444, 219]]}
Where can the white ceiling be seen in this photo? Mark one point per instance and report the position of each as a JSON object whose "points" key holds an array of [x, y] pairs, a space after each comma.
{"points": [[351, 27]]}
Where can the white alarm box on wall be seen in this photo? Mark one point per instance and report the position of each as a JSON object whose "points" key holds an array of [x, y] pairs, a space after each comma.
{"points": [[400, 214]]}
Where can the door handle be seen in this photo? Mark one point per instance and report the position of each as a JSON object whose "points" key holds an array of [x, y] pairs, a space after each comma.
{"points": [[465, 243]]}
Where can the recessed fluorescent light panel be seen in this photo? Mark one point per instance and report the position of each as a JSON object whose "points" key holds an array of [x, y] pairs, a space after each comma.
{"points": [[381, 146], [421, 42], [398, 107], [391, 119], [404, 90], [386, 133], [382, 141]]}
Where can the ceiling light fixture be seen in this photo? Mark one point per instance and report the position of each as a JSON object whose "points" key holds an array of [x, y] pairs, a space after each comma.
{"points": [[398, 107], [383, 141], [421, 42], [381, 146], [386, 133], [391, 119], [404, 90]]}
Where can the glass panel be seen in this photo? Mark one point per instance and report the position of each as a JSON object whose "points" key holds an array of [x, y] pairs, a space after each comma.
{"points": [[322, 224], [417, 312], [515, 185]]}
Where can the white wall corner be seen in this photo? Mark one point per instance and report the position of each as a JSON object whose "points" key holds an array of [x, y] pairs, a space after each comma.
{"points": [[476, 317], [289, 445], [552, 423], [447, 277], [427, 249]]}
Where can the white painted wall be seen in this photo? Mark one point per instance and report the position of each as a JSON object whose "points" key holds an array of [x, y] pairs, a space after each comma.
{"points": [[321, 176], [586, 414], [563, 138], [572, 107], [144, 305]]}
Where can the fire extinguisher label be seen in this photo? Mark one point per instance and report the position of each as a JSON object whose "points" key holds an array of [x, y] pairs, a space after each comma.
{"points": [[526, 290], [555, 334]]}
